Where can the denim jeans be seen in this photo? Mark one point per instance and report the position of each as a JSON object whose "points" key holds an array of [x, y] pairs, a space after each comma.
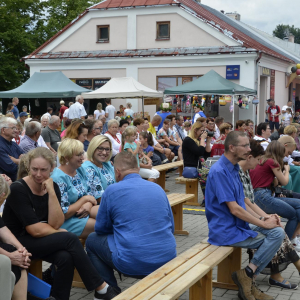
{"points": [[288, 208], [101, 257], [267, 242]]}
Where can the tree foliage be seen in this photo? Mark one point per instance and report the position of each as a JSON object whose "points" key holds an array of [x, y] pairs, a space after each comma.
{"points": [[282, 31], [27, 24]]}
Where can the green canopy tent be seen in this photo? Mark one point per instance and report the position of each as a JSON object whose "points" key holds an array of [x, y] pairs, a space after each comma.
{"points": [[46, 85], [211, 84]]}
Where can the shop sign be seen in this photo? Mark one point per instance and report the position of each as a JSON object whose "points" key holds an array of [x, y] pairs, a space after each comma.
{"points": [[98, 83], [233, 72], [86, 83], [266, 71]]}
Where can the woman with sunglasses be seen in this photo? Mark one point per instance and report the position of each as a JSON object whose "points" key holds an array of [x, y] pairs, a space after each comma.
{"points": [[98, 168], [79, 207]]}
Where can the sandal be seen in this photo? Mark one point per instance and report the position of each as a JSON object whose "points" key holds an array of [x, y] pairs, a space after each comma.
{"points": [[283, 284]]}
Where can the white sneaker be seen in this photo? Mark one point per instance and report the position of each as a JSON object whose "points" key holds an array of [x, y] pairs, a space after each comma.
{"points": [[296, 243]]}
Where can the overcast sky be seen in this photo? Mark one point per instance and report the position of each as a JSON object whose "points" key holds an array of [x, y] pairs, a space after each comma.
{"points": [[262, 14]]}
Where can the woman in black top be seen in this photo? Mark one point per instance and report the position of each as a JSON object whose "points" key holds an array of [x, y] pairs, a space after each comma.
{"points": [[195, 146], [34, 215], [14, 250]]}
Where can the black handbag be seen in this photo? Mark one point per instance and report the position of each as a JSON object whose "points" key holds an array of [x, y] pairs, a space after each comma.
{"points": [[279, 192]]}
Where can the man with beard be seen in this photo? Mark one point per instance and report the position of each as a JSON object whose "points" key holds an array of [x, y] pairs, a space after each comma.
{"points": [[230, 224]]}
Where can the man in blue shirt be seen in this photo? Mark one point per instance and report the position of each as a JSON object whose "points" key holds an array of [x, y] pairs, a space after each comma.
{"points": [[10, 152], [134, 225], [15, 110], [231, 224]]}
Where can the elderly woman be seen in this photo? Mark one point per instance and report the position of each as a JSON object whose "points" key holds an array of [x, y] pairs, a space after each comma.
{"points": [[98, 168], [45, 119], [218, 147], [17, 138], [33, 214], [195, 146], [114, 136], [14, 250], [80, 208]]}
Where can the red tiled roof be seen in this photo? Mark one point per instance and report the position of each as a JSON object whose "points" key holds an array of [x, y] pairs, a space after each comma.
{"points": [[196, 9]]}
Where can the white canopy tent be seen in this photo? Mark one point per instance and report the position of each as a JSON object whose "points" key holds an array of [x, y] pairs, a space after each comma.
{"points": [[123, 87]]}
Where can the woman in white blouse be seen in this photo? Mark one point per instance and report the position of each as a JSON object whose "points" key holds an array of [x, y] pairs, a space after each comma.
{"points": [[114, 136]]}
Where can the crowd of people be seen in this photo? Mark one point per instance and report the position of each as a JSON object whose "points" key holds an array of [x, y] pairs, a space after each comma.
{"points": [[71, 176]]}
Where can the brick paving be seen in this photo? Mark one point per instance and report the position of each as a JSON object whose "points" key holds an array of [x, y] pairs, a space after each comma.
{"points": [[197, 227]]}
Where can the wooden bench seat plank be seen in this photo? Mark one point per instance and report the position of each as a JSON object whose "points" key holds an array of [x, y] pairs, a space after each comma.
{"points": [[179, 198], [165, 167], [189, 278], [160, 273], [176, 274], [191, 187]]}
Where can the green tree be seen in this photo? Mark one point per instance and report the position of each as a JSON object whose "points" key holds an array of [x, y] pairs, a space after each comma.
{"points": [[282, 31]]}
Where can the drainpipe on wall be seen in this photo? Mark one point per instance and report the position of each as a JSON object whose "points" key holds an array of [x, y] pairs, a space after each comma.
{"points": [[259, 55]]}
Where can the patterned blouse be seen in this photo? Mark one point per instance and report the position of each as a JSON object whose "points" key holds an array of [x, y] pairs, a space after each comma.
{"points": [[98, 179], [247, 184]]}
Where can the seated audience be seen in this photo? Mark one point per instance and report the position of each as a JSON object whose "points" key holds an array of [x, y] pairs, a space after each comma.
{"points": [[218, 147], [10, 152], [195, 146], [139, 124], [249, 128], [22, 117], [33, 214], [218, 122], [187, 125], [231, 224], [114, 136], [123, 240], [178, 129], [45, 119], [102, 118], [263, 134], [79, 207], [77, 130], [98, 168], [123, 125], [30, 139], [66, 125], [262, 177], [156, 120], [276, 134], [94, 128], [18, 136], [16, 254], [145, 139], [146, 124], [51, 135], [286, 253]]}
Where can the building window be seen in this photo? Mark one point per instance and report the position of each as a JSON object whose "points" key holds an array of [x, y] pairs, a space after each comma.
{"points": [[162, 31], [103, 33]]}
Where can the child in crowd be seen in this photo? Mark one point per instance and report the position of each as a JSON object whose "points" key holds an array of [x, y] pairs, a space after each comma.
{"points": [[187, 127], [287, 117], [128, 144], [297, 117], [145, 139]]}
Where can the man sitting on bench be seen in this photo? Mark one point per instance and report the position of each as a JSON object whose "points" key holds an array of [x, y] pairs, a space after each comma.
{"points": [[134, 226], [230, 224]]}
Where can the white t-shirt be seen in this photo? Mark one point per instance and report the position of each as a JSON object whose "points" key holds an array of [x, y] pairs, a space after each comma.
{"points": [[285, 107], [129, 112], [76, 111], [66, 113], [286, 119], [97, 113], [110, 110], [263, 142]]}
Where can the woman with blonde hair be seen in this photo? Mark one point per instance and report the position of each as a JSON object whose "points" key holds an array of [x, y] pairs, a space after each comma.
{"points": [[79, 207], [77, 130], [98, 168], [196, 145], [33, 214], [99, 111], [128, 111]]}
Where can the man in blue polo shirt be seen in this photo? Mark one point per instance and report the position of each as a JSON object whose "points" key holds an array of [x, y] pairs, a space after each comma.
{"points": [[230, 224], [10, 152], [15, 110], [134, 226]]}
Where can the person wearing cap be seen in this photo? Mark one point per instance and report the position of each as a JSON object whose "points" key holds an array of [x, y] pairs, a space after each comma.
{"points": [[267, 108], [61, 113], [23, 116]]}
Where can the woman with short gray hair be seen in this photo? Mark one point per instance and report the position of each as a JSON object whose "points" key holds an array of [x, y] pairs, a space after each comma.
{"points": [[114, 136]]}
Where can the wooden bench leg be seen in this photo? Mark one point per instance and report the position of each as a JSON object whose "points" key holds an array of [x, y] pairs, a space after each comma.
{"points": [[192, 188], [231, 263], [162, 180], [36, 268], [178, 219], [180, 170], [202, 289]]}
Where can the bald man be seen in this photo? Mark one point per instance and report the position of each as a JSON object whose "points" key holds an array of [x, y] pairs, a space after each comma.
{"points": [[134, 226]]}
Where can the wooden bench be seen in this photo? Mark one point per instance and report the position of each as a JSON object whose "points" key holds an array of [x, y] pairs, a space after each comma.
{"points": [[164, 168], [176, 202], [190, 270], [191, 187]]}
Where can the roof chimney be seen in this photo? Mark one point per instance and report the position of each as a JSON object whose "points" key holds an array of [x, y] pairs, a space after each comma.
{"points": [[291, 38], [235, 16], [222, 11]]}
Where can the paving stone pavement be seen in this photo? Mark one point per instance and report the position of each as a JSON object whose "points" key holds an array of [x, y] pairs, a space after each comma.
{"points": [[198, 230]]}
